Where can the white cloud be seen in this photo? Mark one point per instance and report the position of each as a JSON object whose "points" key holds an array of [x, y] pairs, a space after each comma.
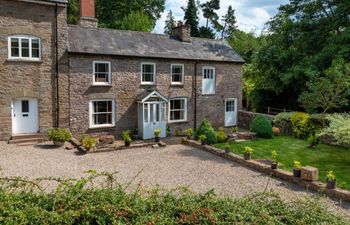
{"points": [[251, 14]]}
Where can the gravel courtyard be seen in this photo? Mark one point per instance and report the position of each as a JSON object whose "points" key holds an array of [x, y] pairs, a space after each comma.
{"points": [[175, 165]]}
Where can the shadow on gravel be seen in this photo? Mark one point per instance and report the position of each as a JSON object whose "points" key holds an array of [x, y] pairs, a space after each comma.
{"points": [[46, 146]]}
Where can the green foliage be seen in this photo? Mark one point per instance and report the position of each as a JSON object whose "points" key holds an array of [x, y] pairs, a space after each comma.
{"points": [[58, 134], [206, 32], [170, 23], [229, 27], [234, 129], [89, 142], [137, 21], [301, 126], [338, 129], [76, 202], [110, 14], [188, 132], [331, 176], [191, 17], [206, 129], [261, 126], [274, 155], [330, 91], [248, 150], [157, 132], [202, 137], [297, 165], [221, 137], [126, 135]]}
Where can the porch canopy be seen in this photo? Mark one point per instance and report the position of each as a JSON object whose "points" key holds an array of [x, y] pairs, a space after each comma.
{"points": [[150, 95]]}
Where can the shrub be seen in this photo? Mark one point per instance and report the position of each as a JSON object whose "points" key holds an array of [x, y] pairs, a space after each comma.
{"points": [[274, 155], [79, 202], [188, 132], [262, 127], [202, 137], [248, 150], [221, 136], [157, 132], [297, 165], [89, 142], [206, 129], [126, 135], [331, 176], [283, 121], [58, 134], [338, 129], [300, 125]]}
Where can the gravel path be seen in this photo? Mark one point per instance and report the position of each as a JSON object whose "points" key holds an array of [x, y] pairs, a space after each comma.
{"points": [[169, 167]]}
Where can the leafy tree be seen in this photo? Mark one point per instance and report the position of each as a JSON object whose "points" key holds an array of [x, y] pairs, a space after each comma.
{"points": [[170, 23], [329, 91], [209, 13], [206, 32], [110, 13], [229, 23], [191, 17], [303, 39], [137, 21]]}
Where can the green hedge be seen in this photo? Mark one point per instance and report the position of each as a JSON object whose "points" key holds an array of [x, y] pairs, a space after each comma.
{"points": [[77, 203], [262, 127], [206, 129]]}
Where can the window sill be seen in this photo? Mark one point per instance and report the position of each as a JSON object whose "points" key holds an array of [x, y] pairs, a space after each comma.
{"points": [[176, 85], [25, 60], [178, 121], [101, 127], [148, 84], [208, 94], [101, 85]]}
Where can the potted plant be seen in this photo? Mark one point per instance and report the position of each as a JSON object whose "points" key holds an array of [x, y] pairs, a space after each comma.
{"points": [[297, 169], [89, 142], [189, 133], [59, 136], [248, 153], [274, 163], [227, 147], [234, 130], [135, 134], [126, 137], [203, 139], [157, 135], [331, 180]]}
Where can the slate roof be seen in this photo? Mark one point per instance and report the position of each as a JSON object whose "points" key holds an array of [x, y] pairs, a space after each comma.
{"points": [[140, 44]]}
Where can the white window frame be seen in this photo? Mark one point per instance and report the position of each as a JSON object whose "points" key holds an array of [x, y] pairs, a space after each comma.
{"points": [[214, 78], [20, 37], [154, 73], [185, 113], [109, 74], [91, 126], [182, 74]]}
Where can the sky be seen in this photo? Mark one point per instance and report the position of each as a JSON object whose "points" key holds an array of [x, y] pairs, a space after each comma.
{"points": [[251, 14]]}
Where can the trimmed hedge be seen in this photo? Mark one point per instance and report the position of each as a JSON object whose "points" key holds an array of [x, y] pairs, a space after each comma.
{"points": [[206, 129], [262, 127]]}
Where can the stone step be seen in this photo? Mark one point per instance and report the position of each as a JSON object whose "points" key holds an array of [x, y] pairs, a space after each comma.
{"points": [[26, 140], [25, 136]]}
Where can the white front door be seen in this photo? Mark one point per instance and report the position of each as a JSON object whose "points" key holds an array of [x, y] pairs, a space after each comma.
{"points": [[154, 118], [208, 81], [25, 116], [230, 112]]}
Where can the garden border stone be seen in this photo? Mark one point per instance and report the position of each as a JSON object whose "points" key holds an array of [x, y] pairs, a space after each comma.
{"points": [[281, 174]]}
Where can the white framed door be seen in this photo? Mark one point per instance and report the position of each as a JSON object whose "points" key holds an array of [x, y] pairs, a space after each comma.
{"points": [[154, 117], [230, 112], [25, 116], [208, 80]]}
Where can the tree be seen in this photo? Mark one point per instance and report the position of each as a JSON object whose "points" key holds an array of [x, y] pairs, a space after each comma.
{"points": [[191, 17], [330, 91], [170, 23], [209, 13], [229, 23], [206, 32], [137, 21], [110, 13]]}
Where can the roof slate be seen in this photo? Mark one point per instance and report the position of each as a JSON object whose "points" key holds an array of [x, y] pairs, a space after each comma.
{"points": [[140, 44]]}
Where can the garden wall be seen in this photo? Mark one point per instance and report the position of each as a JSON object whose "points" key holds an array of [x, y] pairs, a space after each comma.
{"points": [[246, 117]]}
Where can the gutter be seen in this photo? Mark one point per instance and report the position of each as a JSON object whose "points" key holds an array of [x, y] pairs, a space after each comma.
{"points": [[56, 69]]}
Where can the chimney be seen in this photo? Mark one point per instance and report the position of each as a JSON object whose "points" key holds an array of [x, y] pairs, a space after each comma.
{"points": [[87, 14], [183, 32]]}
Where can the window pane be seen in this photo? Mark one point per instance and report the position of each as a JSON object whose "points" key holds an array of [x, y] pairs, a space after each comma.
{"points": [[145, 113], [35, 48], [147, 77], [102, 119], [148, 73], [14, 47], [148, 68], [25, 106], [25, 47]]}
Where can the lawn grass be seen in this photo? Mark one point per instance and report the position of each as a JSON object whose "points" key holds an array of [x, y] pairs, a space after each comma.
{"points": [[324, 157]]}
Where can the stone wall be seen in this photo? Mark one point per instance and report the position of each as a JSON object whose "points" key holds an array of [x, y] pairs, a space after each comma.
{"points": [[126, 85], [28, 78], [245, 118]]}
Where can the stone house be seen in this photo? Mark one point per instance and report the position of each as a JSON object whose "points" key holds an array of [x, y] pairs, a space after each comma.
{"points": [[104, 81]]}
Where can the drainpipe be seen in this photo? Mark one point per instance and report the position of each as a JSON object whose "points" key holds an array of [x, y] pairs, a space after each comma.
{"points": [[195, 96], [56, 69]]}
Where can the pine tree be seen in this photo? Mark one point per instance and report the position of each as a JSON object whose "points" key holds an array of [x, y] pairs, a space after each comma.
{"points": [[229, 26], [170, 23], [209, 13], [191, 17]]}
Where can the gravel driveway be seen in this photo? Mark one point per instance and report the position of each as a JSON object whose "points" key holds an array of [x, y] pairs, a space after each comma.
{"points": [[175, 165]]}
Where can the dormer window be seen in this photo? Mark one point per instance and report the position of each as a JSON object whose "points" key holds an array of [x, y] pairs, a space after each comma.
{"points": [[24, 47]]}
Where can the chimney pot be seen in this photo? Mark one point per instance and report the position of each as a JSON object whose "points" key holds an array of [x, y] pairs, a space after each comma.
{"points": [[87, 14]]}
